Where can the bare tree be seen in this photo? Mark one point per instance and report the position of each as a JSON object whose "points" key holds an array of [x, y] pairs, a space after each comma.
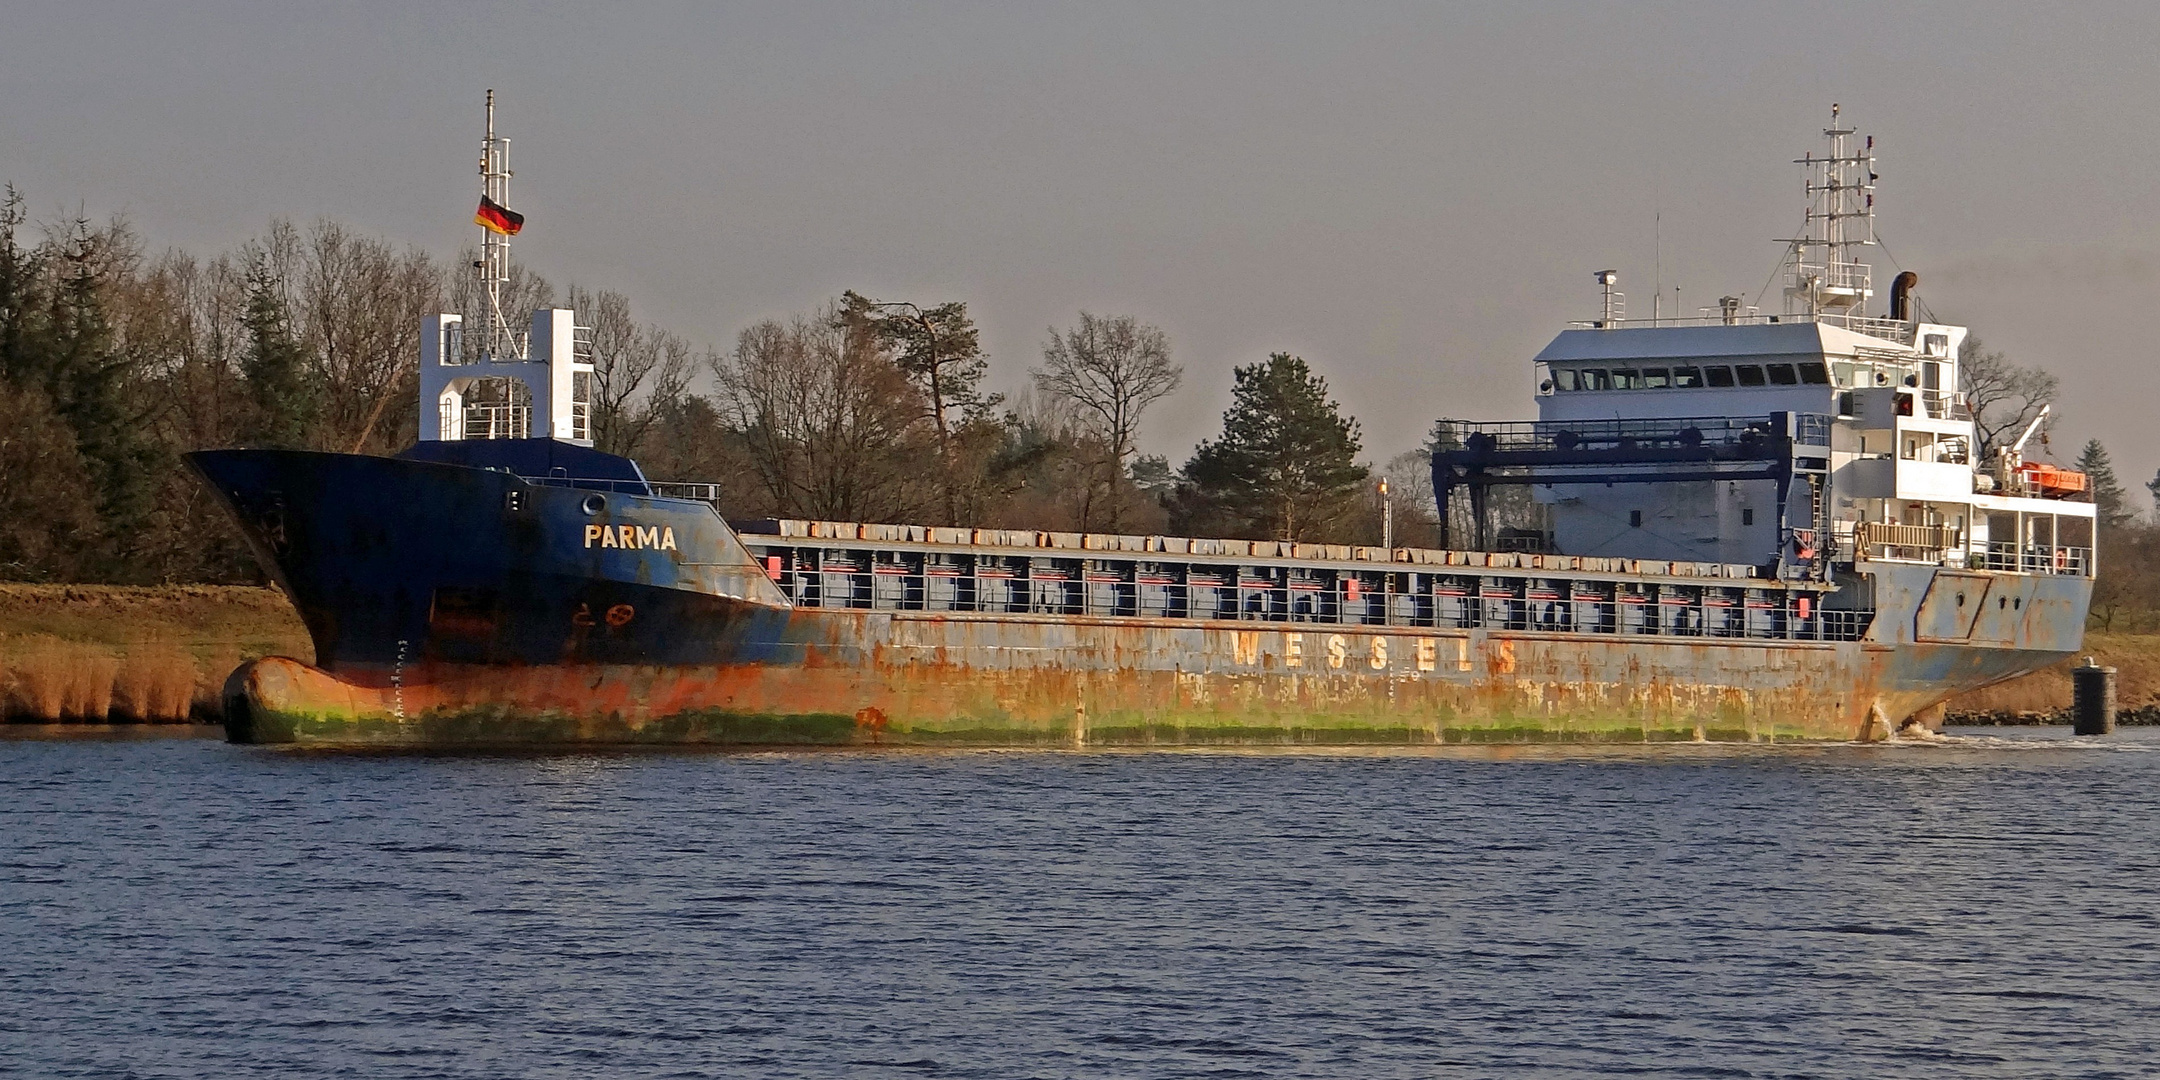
{"points": [[184, 319], [833, 428], [638, 371], [1110, 370], [357, 304], [352, 303], [2005, 397]]}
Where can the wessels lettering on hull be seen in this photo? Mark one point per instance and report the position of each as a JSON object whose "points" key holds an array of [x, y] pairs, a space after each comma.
{"points": [[1513, 689]]}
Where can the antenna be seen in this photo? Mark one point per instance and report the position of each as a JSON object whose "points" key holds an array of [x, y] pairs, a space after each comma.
{"points": [[498, 342], [1824, 273], [1657, 274]]}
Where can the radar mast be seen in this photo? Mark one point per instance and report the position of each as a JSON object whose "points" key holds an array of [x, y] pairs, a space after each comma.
{"points": [[1824, 274]]}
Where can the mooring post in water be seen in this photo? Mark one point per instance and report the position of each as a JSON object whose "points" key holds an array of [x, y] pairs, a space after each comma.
{"points": [[2092, 708]]}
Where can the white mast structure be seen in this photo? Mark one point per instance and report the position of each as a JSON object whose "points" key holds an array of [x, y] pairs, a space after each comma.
{"points": [[544, 360], [499, 343], [1824, 272]]}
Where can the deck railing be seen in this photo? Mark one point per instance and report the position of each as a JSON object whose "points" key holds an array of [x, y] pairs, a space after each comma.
{"points": [[1887, 329], [1812, 429], [590, 483], [2027, 559], [1934, 543], [816, 573], [497, 420]]}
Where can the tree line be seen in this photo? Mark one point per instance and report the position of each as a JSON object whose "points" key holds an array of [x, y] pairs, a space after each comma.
{"points": [[114, 361]]}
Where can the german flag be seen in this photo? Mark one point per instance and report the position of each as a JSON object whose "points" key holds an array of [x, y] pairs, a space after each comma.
{"points": [[497, 218]]}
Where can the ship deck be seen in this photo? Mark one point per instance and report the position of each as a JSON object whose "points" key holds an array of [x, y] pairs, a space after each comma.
{"points": [[844, 565]]}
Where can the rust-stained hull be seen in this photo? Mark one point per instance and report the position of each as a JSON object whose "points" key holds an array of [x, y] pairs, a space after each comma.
{"points": [[456, 606], [950, 680]]}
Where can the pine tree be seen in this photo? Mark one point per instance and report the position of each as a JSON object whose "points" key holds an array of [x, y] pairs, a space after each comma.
{"points": [[2107, 491], [1286, 464], [20, 269], [940, 350], [275, 367], [92, 382]]}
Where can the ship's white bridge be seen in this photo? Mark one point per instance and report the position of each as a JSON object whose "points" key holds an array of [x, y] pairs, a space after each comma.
{"points": [[1904, 481]]}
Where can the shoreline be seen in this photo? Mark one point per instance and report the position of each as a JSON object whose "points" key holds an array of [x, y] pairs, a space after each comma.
{"points": [[134, 655], [2043, 697]]}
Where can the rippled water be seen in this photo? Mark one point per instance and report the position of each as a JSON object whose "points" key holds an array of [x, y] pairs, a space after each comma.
{"points": [[181, 907]]}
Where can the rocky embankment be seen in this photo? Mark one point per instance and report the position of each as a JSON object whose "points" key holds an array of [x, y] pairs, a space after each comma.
{"points": [[114, 654], [2044, 696]]}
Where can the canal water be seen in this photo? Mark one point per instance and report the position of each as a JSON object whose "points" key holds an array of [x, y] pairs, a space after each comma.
{"points": [[179, 907]]}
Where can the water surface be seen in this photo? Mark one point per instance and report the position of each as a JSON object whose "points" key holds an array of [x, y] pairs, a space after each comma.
{"points": [[182, 907]]}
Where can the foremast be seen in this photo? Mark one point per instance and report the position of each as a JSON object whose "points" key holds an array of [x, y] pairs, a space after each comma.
{"points": [[506, 383]]}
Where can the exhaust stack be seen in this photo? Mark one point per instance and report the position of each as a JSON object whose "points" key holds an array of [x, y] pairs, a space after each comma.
{"points": [[1901, 296]]}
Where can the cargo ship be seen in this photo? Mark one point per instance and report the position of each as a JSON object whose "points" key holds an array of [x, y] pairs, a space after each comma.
{"points": [[1748, 526]]}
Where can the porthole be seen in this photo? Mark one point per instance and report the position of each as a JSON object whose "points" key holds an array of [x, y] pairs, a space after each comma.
{"points": [[1961, 599], [595, 503]]}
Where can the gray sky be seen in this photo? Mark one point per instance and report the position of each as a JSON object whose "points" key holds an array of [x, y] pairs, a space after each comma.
{"points": [[1412, 197]]}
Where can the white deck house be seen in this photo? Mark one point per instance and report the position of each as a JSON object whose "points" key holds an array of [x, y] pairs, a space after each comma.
{"points": [[1904, 480]]}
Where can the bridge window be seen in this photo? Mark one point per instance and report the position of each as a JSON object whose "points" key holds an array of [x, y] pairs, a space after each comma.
{"points": [[1783, 375], [1564, 378], [1625, 379], [1596, 379], [1656, 378], [1750, 374], [1687, 377], [1815, 374], [1718, 375]]}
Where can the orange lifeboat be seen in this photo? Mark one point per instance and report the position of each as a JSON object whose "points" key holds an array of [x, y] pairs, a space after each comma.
{"points": [[2050, 479]]}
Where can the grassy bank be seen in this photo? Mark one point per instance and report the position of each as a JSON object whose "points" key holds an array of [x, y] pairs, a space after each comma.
{"points": [[113, 654], [2044, 696]]}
